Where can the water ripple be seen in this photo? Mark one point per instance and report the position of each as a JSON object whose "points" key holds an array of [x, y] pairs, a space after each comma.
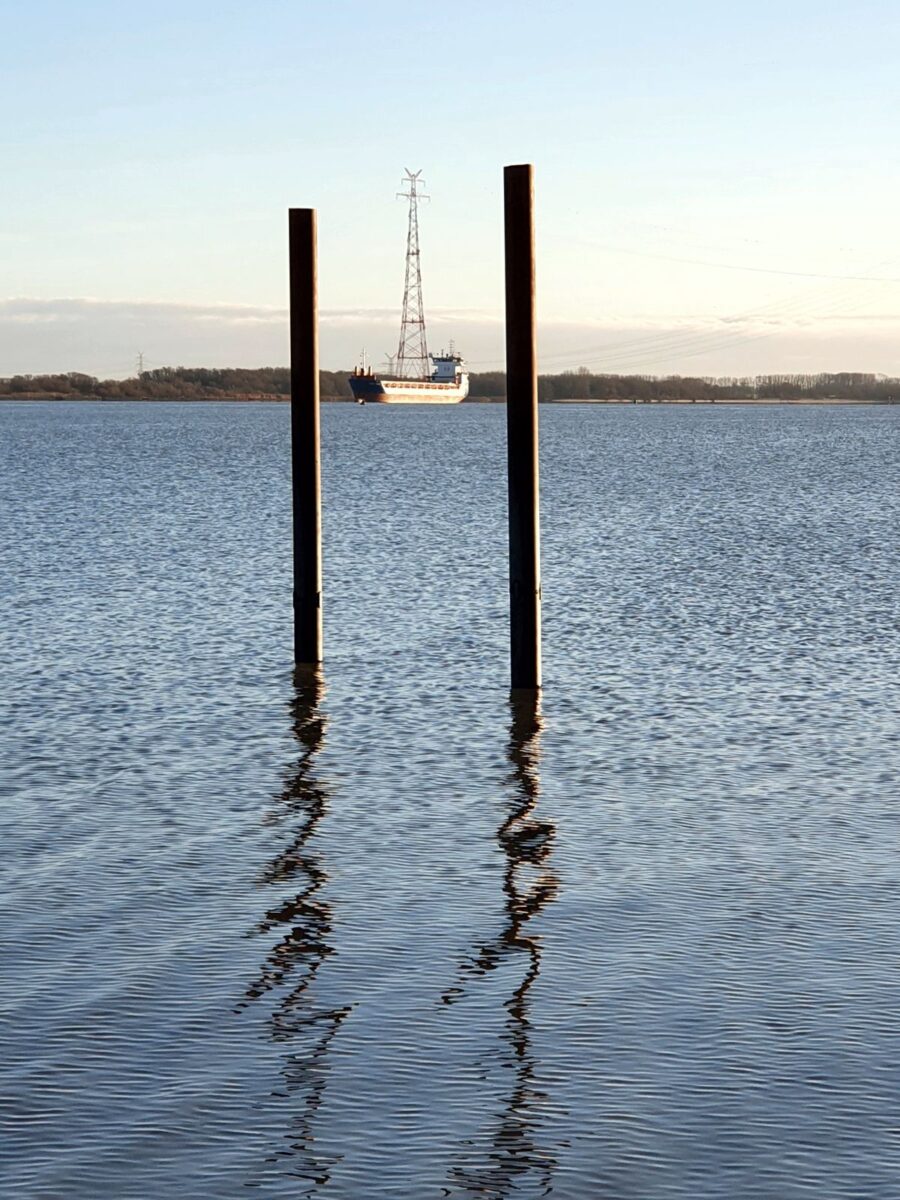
{"points": [[404, 940]]}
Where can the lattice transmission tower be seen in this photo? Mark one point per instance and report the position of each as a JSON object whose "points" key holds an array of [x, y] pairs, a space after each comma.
{"points": [[412, 355]]}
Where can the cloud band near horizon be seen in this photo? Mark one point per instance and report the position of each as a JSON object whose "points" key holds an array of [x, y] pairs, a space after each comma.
{"points": [[104, 338]]}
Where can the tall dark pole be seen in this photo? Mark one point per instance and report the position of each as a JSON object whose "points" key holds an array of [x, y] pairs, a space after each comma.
{"points": [[522, 430], [307, 496]]}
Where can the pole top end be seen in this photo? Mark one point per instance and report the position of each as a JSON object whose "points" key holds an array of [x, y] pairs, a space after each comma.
{"points": [[302, 218]]}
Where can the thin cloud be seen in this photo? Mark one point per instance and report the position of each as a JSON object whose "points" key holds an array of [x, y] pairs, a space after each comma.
{"points": [[104, 337], [73, 309]]}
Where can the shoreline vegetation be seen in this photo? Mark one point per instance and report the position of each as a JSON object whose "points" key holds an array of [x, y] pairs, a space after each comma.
{"points": [[581, 386]]}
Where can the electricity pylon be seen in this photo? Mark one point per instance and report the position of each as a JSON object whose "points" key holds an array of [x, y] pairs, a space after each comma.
{"points": [[412, 355]]}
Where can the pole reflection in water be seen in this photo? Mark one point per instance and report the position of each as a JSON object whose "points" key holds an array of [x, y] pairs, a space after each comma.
{"points": [[508, 1158], [291, 966]]}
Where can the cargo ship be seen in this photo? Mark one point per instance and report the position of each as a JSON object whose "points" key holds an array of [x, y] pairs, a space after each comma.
{"points": [[448, 383], [415, 376]]}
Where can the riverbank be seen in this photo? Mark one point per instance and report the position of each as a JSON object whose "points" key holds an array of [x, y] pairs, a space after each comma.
{"points": [[273, 384], [760, 400], [232, 398]]}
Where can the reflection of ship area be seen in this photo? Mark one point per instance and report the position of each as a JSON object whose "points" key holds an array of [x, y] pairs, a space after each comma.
{"points": [[291, 966], [508, 1152]]}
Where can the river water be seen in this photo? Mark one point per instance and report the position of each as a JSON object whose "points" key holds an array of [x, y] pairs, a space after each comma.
{"points": [[384, 933]]}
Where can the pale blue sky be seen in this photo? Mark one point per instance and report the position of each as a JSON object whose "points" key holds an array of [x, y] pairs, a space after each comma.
{"points": [[151, 152]]}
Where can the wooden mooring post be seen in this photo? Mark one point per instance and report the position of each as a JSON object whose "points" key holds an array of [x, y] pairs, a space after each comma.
{"points": [[305, 468], [522, 430]]}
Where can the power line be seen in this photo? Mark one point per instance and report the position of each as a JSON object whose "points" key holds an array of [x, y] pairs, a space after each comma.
{"points": [[637, 348], [648, 349], [698, 262], [691, 344]]}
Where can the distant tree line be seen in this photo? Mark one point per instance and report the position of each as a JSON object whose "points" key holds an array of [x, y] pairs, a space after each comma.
{"points": [[583, 385], [175, 383], [274, 383]]}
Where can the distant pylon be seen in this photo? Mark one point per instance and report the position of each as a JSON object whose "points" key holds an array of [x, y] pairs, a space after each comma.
{"points": [[412, 355], [140, 364]]}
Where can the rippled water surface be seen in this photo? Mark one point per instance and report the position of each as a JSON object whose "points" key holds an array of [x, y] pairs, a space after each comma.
{"points": [[386, 934]]}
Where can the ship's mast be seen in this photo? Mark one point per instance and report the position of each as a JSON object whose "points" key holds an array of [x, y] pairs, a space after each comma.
{"points": [[412, 355]]}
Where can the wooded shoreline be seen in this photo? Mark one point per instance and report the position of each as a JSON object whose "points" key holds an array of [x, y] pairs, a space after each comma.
{"points": [[273, 384]]}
